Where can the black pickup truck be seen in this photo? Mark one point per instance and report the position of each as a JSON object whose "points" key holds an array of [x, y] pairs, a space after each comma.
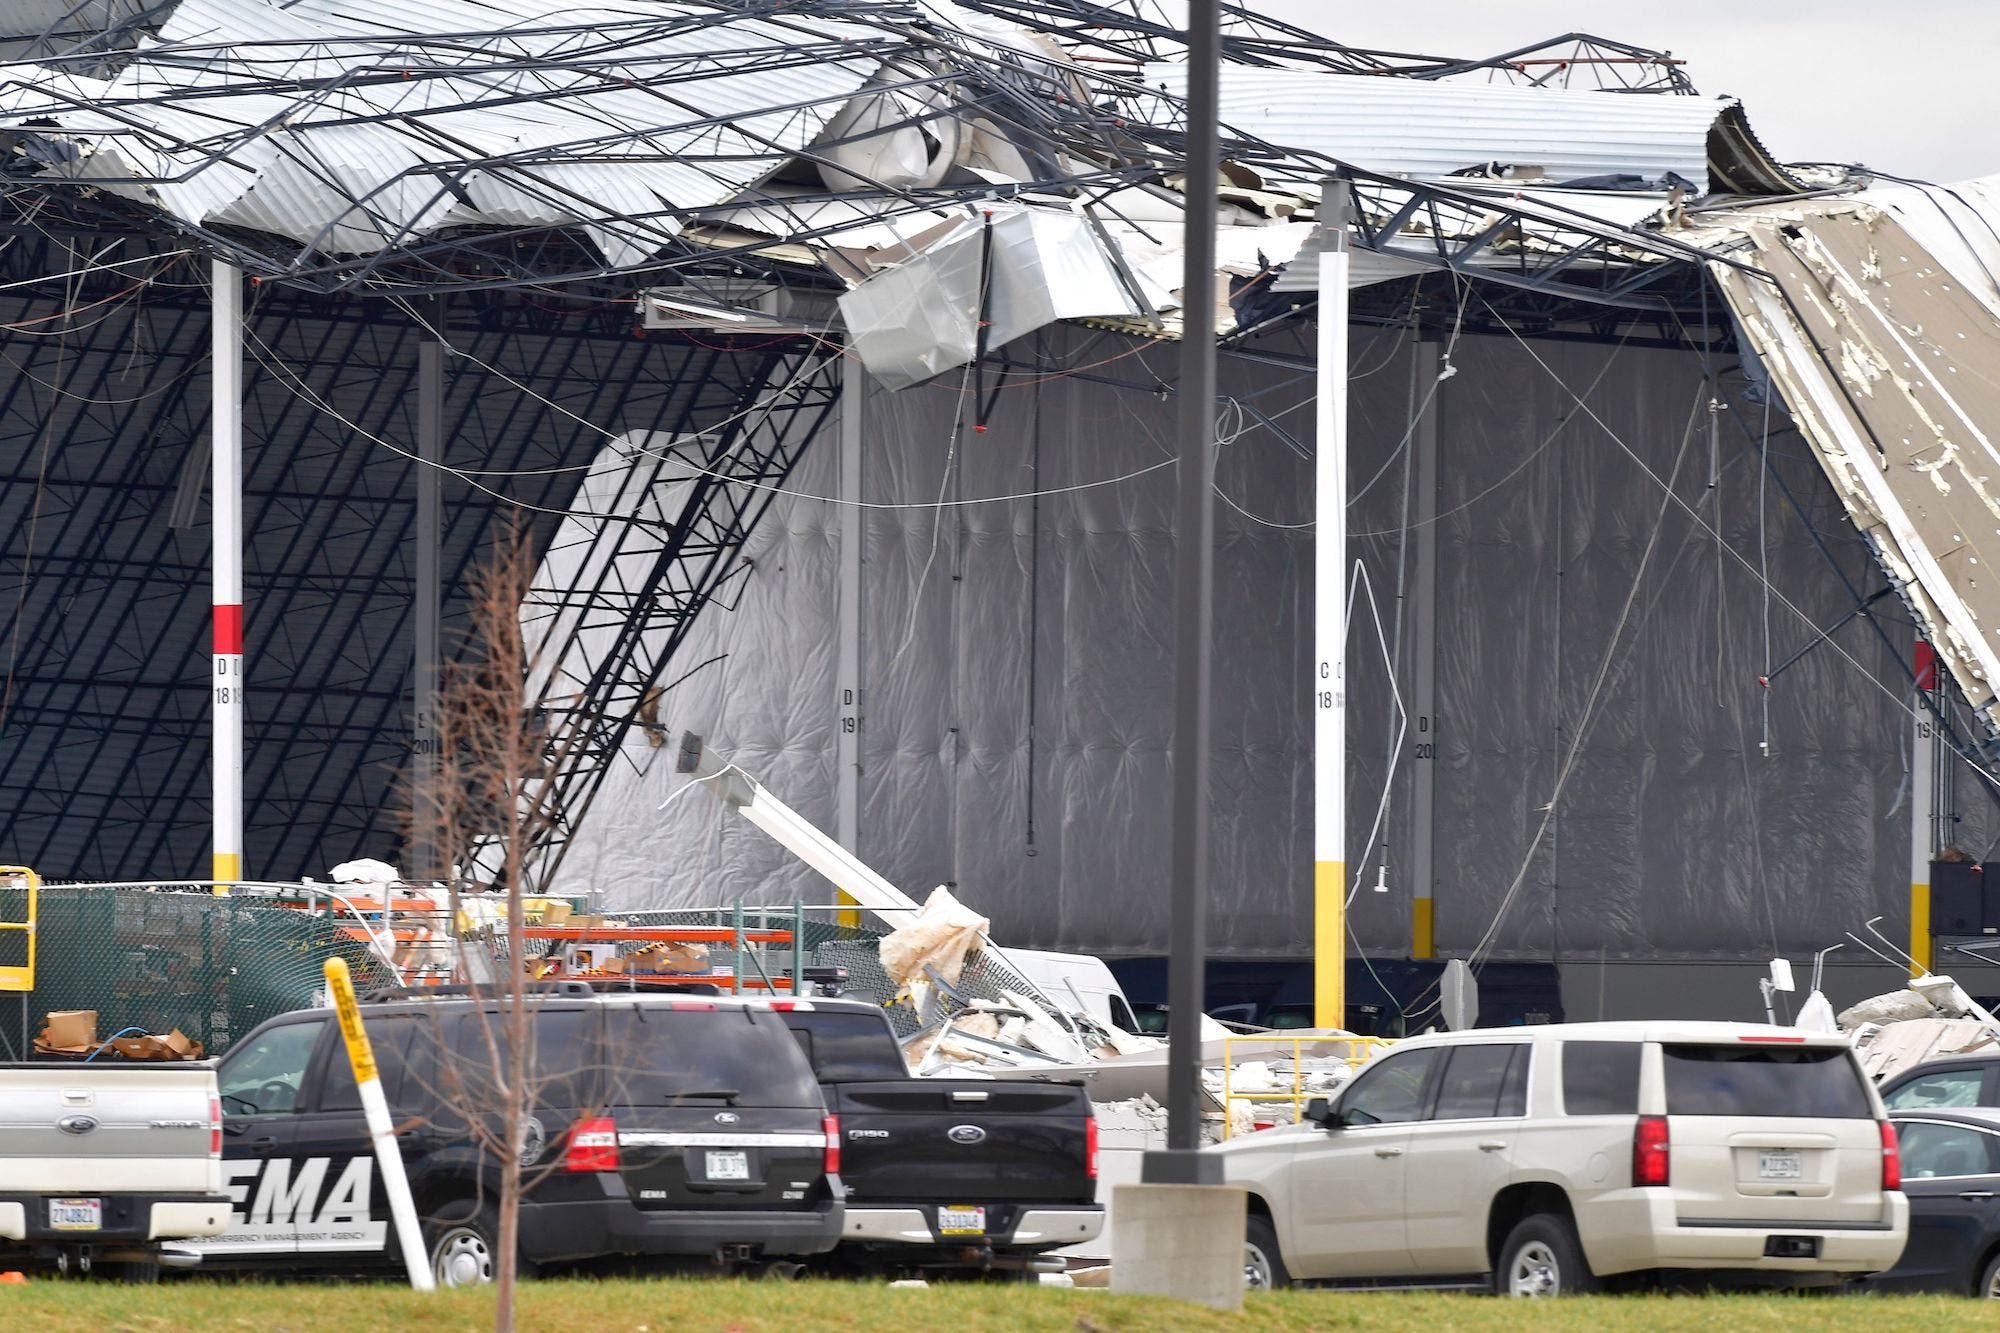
{"points": [[947, 1173]]}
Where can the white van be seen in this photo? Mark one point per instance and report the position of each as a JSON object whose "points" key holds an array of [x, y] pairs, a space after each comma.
{"points": [[1550, 1159], [1075, 980]]}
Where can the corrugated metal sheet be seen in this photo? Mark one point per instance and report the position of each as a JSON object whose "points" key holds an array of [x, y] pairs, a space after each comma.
{"points": [[372, 164], [1414, 128]]}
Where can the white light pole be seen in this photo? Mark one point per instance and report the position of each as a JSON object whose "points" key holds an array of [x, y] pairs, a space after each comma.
{"points": [[226, 507], [1329, 679]]}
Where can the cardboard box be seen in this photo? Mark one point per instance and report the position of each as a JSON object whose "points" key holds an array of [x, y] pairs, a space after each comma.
{"points": [[556, 913], [670, 958], [175, 1045], [70, 1030]]}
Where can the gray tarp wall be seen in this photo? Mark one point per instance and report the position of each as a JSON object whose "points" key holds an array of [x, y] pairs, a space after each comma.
{"points": [[1578, 607]]}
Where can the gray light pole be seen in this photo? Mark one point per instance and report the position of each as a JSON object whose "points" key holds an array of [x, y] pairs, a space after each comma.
{"points": [[1182, 1162]]}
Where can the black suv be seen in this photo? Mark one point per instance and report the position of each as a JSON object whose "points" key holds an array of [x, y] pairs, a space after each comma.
{"points": [[661, 1125]]}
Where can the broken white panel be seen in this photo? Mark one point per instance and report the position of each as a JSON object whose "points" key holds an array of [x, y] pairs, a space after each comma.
{"points": [[921, 318], [905, 139], [1415, 127]]}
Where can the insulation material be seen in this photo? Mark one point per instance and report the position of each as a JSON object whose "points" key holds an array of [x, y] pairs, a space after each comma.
{"points": [[1897, 1046], [1865, 332], [1017, 669], [1896, 1006], [937, 941]]}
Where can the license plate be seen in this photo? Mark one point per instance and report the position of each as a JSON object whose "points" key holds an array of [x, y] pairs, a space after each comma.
{"points": [[76, 1214], [961, 1221], [729, 1166], [1779, 1166]]}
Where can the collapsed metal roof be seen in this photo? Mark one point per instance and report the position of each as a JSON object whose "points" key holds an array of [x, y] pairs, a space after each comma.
{"points": [[1877, 316], [547, 165]]}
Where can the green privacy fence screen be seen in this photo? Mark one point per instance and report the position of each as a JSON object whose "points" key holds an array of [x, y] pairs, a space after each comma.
{"points": [[212, 967]]}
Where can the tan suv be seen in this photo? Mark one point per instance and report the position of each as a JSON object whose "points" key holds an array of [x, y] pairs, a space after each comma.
{"points": [[1549, 1159]]}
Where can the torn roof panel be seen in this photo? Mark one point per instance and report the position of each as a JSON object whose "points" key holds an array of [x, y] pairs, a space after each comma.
{"points": [[1412, 127], [1879, 347], [300, 128]]}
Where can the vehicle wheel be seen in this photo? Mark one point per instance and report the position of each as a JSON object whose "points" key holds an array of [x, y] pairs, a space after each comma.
{"points": [[1989, 1281], [464, 1243], [1263, 1266], [133, 1272], [1542, 1258]]}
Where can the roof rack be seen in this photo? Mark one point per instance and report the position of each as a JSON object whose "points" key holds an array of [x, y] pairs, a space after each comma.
{"points": [[463, 992]]}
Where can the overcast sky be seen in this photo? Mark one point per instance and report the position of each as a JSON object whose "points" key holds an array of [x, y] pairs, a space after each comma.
{"points": [[1908, 86]]}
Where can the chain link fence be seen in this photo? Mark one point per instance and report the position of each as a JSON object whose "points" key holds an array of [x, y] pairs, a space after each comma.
{"points": [[214, 967], [831, 944]]}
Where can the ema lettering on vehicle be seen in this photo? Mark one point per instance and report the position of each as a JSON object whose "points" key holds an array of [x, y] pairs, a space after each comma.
{"points": [[288, 1213]]}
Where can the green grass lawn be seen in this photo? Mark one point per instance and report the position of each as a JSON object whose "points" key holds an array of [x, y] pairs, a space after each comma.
{"points": [[696, 1306]]}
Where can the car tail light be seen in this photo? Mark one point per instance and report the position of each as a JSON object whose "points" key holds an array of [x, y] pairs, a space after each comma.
{"points": [[1892, 1159], [593, 1145], [215, 1126], [1649, 1151], [1090, 1147], [831, 1126]]}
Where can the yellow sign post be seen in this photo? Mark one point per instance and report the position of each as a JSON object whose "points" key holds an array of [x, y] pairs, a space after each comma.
{"points": [[388, 1157]]}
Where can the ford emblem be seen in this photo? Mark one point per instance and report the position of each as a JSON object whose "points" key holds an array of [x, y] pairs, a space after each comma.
{"points": [[726, 1117], [966, 1134], [77, 1124]]}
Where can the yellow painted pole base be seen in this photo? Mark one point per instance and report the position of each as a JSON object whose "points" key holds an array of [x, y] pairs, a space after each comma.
{"points": [[228, 867], [1330, 944], [1423, 928], [1920, 927]]}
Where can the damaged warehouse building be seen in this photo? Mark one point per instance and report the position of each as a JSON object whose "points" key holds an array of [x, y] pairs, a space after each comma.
{"points": [[825, 352]]}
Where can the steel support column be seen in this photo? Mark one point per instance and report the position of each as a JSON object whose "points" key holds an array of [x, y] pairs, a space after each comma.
{"points": [[1329, 683], [226, 537], [847, 684], [425, 852], [1183, 1163], [1423, 647]]}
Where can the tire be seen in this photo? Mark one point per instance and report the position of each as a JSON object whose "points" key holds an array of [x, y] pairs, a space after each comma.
{"points": [[463, 1242], [1989, 1280], [1542, 1258], [1263, 1267], [133, 1272]]}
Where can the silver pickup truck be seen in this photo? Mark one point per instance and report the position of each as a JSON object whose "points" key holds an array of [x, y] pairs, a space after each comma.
{"points": [[102, 1164]]}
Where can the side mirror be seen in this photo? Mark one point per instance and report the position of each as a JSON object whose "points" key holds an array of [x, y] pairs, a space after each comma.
{"points": [[1319, 1111]]}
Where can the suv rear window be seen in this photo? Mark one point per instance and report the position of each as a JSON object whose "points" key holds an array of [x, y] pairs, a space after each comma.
{"points": [[1817, 1082], [1601, 1077], [656, 1056]]}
